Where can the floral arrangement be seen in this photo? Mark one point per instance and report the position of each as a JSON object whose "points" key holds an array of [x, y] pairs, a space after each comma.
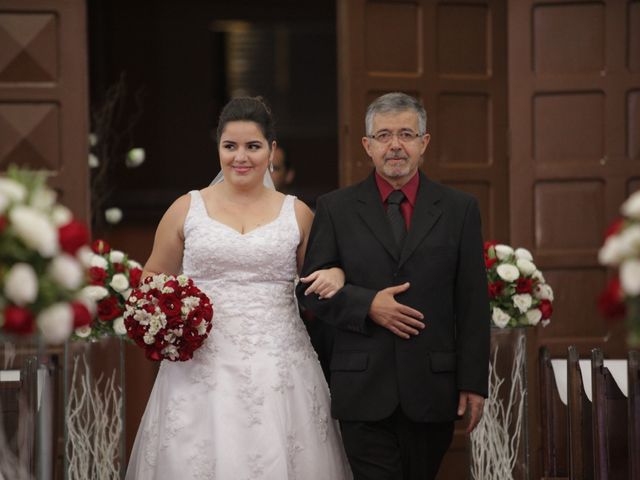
{"points": [[518, 293], [621, 250], [169, 317], [111, 276], [41, 275]]}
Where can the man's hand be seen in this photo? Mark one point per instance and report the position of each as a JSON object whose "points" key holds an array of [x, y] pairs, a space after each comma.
{"points": [[398, 318], [475, 403], [325, 283]]}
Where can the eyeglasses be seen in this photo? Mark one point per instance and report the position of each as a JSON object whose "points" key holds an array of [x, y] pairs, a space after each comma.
{"points": [[404, 136]]}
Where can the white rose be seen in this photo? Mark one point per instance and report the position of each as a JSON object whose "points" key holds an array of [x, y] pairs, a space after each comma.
{"points": [[116, 256], [630, 277], [14, 191], [611, 252], [135, 157], [61, 215], [534, 316], [127, 293], [499, 317], [118, 326], [630, 241], [94, 292], [84, 256], [503, 251], [99, 261], [525, 266], [56, 322], [133, 264], [524, 253], [83, 332], [66, 271], [21, 284], [119, 282], [508, 272], [113, 215], [631, 207], [543, 292], [35, 230], [43, 199], [537, 275], [94, 161], [522, 301]]}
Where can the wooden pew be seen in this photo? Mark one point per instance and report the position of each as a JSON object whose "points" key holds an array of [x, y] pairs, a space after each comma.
{"points": [[579, 414], [609, 421], [553, 415], [633, 370]]}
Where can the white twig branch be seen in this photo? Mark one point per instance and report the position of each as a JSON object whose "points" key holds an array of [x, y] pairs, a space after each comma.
{"points": [[495, 442], [94, 425]]}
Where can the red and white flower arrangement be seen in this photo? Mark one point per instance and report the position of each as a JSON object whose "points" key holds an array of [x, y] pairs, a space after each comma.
{"points": [[40, 273], [169, 317], [621, 250], [518, 293], [112, 276]]}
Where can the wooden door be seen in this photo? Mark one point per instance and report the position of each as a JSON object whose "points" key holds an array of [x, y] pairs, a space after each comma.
{"points": [[43, 93], [452, 56], [574, 117]]}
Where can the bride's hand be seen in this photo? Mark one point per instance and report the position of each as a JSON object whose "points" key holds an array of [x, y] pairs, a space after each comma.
{"points": [[325, 283]]}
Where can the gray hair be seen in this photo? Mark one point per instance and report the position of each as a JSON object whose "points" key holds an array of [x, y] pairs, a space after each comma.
{"points": [[395, 102]]}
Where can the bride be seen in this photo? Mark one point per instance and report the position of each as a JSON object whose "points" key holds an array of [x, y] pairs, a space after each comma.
{"points": [[252, 403]]}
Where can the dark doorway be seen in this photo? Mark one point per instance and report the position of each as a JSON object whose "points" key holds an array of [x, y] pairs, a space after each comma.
{"points": [[183, 59]]}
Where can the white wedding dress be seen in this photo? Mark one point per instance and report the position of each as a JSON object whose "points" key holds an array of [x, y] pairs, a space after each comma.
{"points": [[252, 403]]}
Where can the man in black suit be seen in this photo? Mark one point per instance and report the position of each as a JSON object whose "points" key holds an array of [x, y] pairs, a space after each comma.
{"points": [[411, 347]]}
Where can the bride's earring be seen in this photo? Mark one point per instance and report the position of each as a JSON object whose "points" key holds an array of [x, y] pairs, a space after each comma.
{"points": [[271, 167]]}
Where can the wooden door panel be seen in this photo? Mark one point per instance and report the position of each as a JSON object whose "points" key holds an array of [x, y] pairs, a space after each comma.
{"points": [[43, 93]]}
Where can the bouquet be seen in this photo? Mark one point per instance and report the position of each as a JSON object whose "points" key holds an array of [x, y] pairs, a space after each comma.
{"points": [[621, 250], [169, 317], [111, 276], [40, 273], [518, 293]]}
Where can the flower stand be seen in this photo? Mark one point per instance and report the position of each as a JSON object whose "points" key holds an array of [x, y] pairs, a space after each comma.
{"points": [[29, 403], [499, 444]]}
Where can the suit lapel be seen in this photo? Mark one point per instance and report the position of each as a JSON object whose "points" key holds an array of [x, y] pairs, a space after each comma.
{"points": [[371, 210], [425, 215]]}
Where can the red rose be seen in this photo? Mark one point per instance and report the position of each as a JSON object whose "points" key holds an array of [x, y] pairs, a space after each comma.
{"points": [[108, 309], [3, 222], [614, 228], [524, 285], [546, 309], [611, 300], [118, 267], [134, 277], [170, 304], [18, 320], [489, 262], [72, 236], [97, 276], [495, 288], [100, 246], [81, 315]]}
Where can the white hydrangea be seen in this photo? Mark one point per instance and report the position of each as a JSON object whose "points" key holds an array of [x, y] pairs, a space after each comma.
{"points": [[35, 229], [21, 284], [500, 318], [522, 301], [503, 251], [534, 316], [508, 272]]}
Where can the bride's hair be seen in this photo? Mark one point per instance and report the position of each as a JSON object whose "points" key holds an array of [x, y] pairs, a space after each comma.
{"points": [[248, 109]]}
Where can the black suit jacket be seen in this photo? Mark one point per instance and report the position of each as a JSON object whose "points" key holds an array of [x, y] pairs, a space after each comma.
{"points": [[373, 370]]}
